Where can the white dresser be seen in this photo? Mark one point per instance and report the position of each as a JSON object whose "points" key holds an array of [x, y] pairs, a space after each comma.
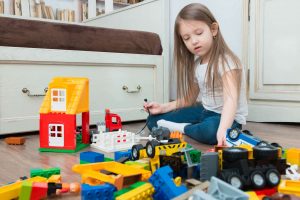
{"points": [[117, 81]]}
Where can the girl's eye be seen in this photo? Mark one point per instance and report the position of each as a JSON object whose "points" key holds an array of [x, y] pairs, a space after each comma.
{"points": [[185, 39], [199, 33]]}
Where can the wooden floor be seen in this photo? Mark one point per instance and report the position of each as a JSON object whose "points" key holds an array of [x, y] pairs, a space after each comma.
{"points": [[16, 161]]}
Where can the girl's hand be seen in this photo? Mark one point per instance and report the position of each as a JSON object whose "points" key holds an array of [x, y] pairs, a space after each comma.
{"points": [[221, 137], [153, 107]]}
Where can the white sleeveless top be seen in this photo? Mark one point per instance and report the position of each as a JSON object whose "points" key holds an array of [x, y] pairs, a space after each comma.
{"points": [[215, 103]]}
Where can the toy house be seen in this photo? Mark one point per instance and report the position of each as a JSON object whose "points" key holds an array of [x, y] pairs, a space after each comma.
{"points": [[65, 98]]}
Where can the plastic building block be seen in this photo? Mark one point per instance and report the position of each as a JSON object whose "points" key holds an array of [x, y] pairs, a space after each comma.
{"points": [[91, 157], [54, 179], [291, 173], [138, 164], [144, 191], [208, 165], [25, 191], [112, 121], [222, 190], [192, 156], [164, 185], [293, 156], [189, 193], [252, 195], [200, 195], [127, 189], [92, 173], [175, 162], [39, 191], [12, 190], [65, 98], [120, 154], [14, 140], [113, 141], [99, 192], [289, 187], [44, 172], [266, 192]]}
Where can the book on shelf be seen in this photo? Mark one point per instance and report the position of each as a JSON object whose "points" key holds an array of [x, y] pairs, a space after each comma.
{"points": [[17, 7], [1, 7], [84, 11]]}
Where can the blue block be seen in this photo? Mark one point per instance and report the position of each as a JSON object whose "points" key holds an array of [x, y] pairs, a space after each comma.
{"points": [[98, 192], [120, 154], [163, 184], [91, 157]]}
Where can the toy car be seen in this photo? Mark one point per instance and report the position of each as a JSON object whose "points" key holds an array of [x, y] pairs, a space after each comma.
{"points": [[236, 137]]}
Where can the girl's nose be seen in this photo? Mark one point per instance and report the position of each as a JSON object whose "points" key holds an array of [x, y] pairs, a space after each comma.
{"points": [[194, 40]]}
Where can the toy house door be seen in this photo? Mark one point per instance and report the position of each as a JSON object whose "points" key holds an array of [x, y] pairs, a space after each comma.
{"points": [[58, 99], [56, 135], [274, 52]]}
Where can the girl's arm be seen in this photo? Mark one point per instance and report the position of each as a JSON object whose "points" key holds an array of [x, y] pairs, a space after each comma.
{"points": [[230, 94]]}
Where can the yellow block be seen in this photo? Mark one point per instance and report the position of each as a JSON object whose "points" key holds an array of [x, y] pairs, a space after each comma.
{"points": [[12, 191]]}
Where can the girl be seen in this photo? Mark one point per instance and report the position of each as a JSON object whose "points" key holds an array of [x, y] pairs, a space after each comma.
{"points": [[206, 68]]}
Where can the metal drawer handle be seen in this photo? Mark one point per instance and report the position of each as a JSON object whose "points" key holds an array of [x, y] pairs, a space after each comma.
{"points": [[26, 91], [138, 88]]}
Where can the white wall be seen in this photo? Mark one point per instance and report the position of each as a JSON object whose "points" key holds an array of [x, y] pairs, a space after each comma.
{"points": [[228, 13]]}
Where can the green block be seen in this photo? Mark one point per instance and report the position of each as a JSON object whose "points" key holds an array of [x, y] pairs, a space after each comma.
{"points": [[195, 156], [145, 166], [79, 147], [25, 192], [131, 187], [108, 159], [84, 162], [46, 173]]}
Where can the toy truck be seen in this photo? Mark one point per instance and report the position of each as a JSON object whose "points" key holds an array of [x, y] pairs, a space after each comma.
{"points": [[238, 167], [236, 137]]}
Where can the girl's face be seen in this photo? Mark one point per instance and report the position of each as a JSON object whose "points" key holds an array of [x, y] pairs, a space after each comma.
{"points": [[197, 37]]}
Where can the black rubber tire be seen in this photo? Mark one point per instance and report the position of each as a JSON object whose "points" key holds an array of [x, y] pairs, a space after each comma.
{"points": [[150, 148], [265, 152], [276, 145], [135, 151], [234, 134], [232, 154], [257, 179], [247, 132], [236, 181], [273, 177]]}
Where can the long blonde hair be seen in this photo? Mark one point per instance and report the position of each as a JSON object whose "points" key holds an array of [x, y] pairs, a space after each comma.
{"points": [[184, 60]]}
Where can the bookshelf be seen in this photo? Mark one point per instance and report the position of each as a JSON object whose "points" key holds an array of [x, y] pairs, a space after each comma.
{"points": [[63, 10]]}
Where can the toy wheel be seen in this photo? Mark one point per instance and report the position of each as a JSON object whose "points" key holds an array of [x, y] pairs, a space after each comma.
{"points": [[275, 144], [267, 152], [257, 179], [273, 177], [247, 132], [135, 151], [233, 134], [232, 154], [235, 180], [150, 148]]}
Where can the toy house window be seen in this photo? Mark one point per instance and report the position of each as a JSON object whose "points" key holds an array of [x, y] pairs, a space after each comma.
{"points": [[56, 134], [58, 99]]}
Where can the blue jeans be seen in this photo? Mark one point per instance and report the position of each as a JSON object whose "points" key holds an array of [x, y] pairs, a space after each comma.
{"points": [[203, 123]]}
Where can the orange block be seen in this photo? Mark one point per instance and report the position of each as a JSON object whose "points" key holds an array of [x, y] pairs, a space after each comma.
{"points": [[15, 140]]}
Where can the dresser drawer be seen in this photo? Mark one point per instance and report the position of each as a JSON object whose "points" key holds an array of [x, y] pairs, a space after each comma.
{"points": [[121, 88]]}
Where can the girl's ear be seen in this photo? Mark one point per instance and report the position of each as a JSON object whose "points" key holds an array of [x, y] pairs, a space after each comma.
{"points": [[214, 28]]}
